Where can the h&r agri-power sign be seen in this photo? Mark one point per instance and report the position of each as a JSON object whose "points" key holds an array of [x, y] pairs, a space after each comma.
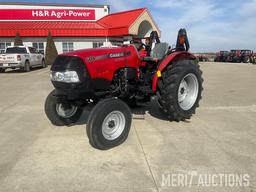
{"points": [[47, 14]]}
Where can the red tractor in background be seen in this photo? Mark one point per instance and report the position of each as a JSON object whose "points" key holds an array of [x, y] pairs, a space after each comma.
{"points": [[222, 56], [253, 58], [234, 56], [246, 55], [113, 78], [240, 56]]}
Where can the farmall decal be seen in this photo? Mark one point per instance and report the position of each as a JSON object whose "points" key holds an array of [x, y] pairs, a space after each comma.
{"points": [[47, 14]]}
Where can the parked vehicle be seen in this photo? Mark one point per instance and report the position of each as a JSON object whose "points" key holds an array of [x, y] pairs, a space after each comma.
{"points": [[21, 57], [222, 56], [246, 55], [253, 58], [235, 56], [111, 78], [240, 56]]}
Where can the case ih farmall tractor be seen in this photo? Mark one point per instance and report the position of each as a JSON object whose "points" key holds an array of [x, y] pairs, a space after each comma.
{"points": [[113, 78]]}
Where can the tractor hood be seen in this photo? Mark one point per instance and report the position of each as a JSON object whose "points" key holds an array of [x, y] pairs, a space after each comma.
{"points": [[99, 63], [97, 53]]}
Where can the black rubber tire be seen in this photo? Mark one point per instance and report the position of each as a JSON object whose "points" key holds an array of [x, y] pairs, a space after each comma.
{"points": [[43, 64], [96, 118], [26, 66], [2, 70], [168, 87], [51, 113]]}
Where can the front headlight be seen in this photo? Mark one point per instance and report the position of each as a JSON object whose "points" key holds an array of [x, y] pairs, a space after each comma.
{"points": [[66, 76]]}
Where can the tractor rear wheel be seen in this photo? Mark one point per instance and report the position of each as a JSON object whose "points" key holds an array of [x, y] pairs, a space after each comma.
{"points": [[108, 124], [179, 90]]}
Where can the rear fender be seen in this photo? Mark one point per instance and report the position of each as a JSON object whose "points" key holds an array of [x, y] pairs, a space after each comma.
{"points": [[175, 56]]}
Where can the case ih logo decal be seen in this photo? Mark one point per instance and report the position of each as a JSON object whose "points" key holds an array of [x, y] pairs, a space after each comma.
{"points": [[106, 56], [115, 55], [47, 14]]}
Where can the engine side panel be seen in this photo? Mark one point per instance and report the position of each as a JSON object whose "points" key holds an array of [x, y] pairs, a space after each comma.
{"points": [[102, 63]]}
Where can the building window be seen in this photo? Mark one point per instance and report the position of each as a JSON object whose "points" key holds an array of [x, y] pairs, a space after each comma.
{"points": [[97, 44], [39, 46], [3, 46], [67, 46]]}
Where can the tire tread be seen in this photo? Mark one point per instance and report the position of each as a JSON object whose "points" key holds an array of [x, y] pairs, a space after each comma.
{"points": [[168, 88]]}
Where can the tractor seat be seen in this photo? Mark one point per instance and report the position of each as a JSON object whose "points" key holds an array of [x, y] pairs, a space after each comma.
{"points": [[158, 53]]}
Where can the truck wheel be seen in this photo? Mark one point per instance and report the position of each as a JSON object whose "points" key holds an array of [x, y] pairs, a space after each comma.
{"points": [[180, 89], [27, 66], [2, 70], [43, 64], [61, 114], [109, 124]]}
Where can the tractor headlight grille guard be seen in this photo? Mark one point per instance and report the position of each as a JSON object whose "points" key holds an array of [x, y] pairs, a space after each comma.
{"points": [[66, 76]]}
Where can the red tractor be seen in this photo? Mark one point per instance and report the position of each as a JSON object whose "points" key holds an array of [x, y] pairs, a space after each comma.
{"points": [[222, 56], [111, 79], [235, 56], [240, 56], [246, 55]]}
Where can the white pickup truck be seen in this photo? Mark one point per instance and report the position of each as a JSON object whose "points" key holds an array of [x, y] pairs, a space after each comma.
{"points": [[21, 57]]}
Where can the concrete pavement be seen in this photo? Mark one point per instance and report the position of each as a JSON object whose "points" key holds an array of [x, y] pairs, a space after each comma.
{"points": [[219, 139]]}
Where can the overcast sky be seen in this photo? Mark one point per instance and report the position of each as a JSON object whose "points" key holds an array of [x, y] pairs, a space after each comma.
{"points": [[211, 24]]}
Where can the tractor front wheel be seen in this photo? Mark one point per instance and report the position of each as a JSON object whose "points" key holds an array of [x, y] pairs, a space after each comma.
{"points": [[61, 114], [108, 124], [179, 90]]}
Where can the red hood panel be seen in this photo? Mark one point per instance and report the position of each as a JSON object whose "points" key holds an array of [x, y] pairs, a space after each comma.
{"points": [[94, 52]]}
